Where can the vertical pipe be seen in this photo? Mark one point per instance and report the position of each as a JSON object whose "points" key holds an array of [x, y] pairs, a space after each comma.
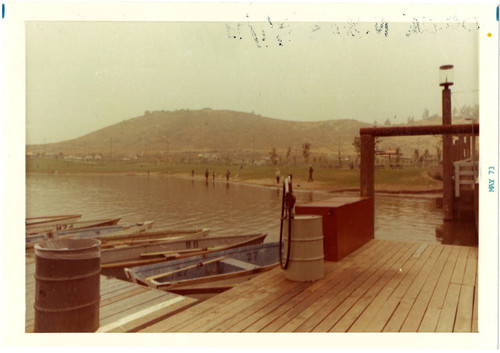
{"points": [[447, 158], [368, 171]]}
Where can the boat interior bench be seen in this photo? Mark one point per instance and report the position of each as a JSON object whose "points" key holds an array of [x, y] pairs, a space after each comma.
{"points": [[238, 263], [347, 223]]}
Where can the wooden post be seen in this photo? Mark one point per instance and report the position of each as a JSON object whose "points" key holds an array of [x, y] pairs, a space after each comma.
{"points": [[447, 158], [368, 171]]}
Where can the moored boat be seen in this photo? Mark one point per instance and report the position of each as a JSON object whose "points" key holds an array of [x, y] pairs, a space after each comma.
{"points": [[92, 232], [114, 260], [207, 274], [127, 238], [79, 225], [49, 223]]}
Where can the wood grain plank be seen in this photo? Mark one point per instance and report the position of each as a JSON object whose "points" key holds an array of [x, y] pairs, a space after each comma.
{"points": [[185, 318], [458, 272], [313, 292], [113, 310], [354, 298], [471, 268], [249, 323], [448, 313], [355, 312], [421, 302], [406, 303], [309, 317], [387, 309], [142, 301], [327, 311], [256, 303], [369, 313], [149, 314], [248, 299], [463, 321], [436, 303], [475, 317]]}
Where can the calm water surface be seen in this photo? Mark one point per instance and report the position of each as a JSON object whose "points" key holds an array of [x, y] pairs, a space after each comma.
{"points": [[225, 208]]}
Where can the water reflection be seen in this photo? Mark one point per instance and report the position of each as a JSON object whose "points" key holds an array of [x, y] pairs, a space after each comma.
{"points": [[224, 207]]}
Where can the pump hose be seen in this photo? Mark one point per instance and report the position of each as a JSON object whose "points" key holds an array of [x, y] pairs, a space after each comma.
{"points": [[288, 199]]}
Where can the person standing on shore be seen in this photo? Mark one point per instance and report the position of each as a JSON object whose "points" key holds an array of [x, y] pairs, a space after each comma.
{"points": [[277, 176], [213, 176], [310, 174], [227, 174], [192, 173], [206, 175]]}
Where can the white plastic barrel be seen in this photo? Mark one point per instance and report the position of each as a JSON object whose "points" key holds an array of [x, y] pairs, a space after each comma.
{"points": [[306, 262]]}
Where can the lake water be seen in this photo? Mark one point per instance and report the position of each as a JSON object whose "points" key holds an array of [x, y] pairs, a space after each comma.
{"points": [[225, 208]]}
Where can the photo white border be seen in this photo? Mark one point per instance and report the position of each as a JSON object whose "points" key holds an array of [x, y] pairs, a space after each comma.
{"points": [[13, 129]]}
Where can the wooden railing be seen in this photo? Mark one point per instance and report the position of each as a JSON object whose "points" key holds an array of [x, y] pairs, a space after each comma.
{"points": [[465, 174]]}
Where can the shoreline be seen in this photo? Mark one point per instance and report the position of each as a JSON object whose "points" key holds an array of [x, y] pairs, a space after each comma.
{"points": [[299, 185]]}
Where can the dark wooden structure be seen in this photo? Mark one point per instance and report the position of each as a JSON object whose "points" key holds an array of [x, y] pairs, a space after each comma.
{"points": [[448, 131], [347, 224]]}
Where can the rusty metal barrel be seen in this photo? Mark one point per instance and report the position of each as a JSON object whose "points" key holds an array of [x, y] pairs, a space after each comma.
{"points": [[67, 285], [306, 262]]}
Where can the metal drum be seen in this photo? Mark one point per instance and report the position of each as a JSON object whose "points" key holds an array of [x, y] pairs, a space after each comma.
{"points": [[67, 286], [306, 262]]}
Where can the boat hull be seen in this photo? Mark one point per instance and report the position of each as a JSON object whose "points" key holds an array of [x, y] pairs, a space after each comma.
{"points": [[49, 223], [214, 270], [114, 260]]}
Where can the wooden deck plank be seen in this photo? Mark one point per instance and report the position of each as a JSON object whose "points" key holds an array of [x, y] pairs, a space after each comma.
{"points": [[205, 308], [351, 317], [341, 310], [475, 315], [124, 294], [255, 304], [458, 273], [385, 286], [369, 313], [115, 309], [470, 268], [406, 303], [327, 310], [163, 310], [185, 318], [386, 310], [249, 323], [126, 307], [421, 302], [448, 313], [463, 321], [436, 303], [343, 280], [333, 274], [247, 299]]}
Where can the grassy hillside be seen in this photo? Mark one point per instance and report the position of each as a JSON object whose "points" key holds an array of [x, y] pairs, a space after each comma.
{"points": [[167, 133]]}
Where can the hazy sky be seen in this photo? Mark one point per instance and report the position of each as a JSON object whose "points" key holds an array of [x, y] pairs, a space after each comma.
{"points": [[83, 76]]}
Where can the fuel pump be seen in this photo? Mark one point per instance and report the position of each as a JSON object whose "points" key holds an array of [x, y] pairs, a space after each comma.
{"points": [[287, 204], [304, 240]]}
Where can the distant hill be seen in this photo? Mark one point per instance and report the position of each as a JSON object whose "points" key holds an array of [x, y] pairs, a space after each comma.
{"points": [[181, 132]]}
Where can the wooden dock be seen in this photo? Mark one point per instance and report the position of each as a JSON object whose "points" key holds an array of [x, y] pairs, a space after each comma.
{"points": [[385, 286], [124, 306]]}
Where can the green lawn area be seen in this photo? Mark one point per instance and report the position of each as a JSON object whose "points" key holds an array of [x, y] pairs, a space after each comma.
{"points": [[408, 178]]}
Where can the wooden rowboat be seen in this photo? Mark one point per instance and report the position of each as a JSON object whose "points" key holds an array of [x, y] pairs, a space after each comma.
{"points": [[49, 223], [123, 238], [122, 230], [68, 228], [114, 260], [207, 274]]}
